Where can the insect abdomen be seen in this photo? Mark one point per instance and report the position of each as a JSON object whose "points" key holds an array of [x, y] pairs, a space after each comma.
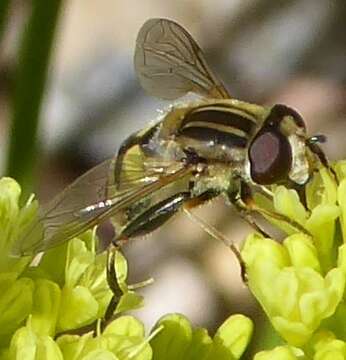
{"points": [[219, 125]]}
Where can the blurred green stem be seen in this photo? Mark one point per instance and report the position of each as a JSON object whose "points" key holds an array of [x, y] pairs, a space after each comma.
{"points": [[30, 79], [4, 6]]}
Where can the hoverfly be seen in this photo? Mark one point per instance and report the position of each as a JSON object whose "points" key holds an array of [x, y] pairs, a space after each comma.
{"points": [[198, 150]]}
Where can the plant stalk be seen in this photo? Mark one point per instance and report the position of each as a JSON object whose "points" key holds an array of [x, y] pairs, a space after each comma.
{"points": [[30, 82]]}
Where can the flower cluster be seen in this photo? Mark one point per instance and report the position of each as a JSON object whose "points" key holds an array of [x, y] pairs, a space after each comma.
{"points": [[51, 308], [300, 282]]}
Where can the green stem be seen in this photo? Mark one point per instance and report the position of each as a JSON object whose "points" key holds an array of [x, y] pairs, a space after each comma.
{"points": [[30, 82], [4, 6]]}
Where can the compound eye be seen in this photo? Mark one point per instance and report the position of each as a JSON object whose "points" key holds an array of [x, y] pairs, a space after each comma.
{"points": [[270, 158]]}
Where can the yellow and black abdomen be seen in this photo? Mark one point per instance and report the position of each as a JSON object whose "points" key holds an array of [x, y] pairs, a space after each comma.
{"points": [[218, 132]]}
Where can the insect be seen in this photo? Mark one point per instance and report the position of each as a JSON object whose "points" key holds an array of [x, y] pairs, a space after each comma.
{"points": [[199, 149]]}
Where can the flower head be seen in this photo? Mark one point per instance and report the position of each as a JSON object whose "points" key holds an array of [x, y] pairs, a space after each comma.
{"points": [[66, 290], [300, 282]]}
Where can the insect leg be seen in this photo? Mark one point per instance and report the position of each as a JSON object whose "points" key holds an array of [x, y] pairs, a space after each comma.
{"points": [[143, 224], [312, 143], [249, 205], [154, 217], [238, 201], [216, 234], [210, 229], [112, 282]]}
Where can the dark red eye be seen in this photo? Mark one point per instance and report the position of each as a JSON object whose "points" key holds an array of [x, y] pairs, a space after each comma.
{"points": [[270, 157]]}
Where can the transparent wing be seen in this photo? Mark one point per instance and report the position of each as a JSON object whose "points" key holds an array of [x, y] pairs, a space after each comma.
{"points": [[169, 63], [88, 189], [83, 205]]}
